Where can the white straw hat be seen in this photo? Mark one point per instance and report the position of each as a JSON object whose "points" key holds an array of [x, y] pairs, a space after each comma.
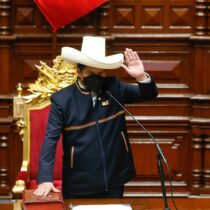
{"points": [[92, 54]]}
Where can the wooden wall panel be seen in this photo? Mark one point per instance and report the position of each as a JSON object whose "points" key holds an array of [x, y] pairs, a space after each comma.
{"points": [[5, 67], [10, 147], [176, 153], [25, 57], [152, 16], [207, 71], [172, 39], [4, 164]]}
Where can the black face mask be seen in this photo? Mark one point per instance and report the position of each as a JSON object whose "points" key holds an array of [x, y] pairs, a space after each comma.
{"points": [[94, 83]]}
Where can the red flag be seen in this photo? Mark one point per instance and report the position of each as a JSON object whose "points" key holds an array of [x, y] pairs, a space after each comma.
{"points": [[61, 12]]}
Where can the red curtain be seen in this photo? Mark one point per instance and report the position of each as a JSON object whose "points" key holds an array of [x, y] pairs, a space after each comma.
{"points": [[61, 12]]}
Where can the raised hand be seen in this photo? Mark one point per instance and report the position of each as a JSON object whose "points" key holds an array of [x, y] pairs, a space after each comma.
{"points": [[133, 65]]}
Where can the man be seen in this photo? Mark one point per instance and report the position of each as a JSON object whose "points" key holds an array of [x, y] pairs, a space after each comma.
{"points": [[97, 159]]}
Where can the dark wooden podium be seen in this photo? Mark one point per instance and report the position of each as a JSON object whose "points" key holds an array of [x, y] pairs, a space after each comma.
{"points": [[136, 203]]}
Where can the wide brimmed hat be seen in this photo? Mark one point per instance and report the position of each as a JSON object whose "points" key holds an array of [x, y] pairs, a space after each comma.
{"points": [[92, 54]]}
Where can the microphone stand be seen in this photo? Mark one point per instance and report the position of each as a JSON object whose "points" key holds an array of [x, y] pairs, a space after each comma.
{"points": [[160, 156], [161, 175]]}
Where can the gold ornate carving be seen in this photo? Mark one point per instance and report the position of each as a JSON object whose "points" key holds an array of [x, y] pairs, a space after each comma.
{"points": [[20, 184], [19, 90], [20, 125], [51, 79], [24, 166], [18, 104], [18, 187]]}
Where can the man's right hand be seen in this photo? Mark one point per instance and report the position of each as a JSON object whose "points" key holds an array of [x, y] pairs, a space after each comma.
{"points": [[45, 188]]}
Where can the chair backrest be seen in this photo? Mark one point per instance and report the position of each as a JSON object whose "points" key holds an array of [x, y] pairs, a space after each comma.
{"points": [[38, 118], [32, 111]]}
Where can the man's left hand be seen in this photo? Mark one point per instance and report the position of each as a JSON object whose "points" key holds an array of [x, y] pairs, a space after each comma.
{"points": [[134, 67]]}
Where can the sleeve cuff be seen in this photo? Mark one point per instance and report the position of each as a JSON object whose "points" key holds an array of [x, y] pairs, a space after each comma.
{"points": [[148, 80]]}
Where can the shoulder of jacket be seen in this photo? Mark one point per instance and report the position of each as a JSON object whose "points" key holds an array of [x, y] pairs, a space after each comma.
{"points": [[64, 92]]}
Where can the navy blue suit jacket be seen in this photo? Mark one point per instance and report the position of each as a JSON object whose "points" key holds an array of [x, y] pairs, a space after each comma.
{"points": [[97, 154]]}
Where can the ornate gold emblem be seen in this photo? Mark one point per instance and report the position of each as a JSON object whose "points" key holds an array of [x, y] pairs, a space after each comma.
{"points": [[51, 79]]}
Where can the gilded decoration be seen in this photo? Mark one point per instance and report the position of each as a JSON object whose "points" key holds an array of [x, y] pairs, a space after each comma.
{"points": [[51, 79], [20, 184], [20, 125]]}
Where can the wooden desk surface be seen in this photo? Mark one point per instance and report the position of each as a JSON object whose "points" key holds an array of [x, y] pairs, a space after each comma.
{"points": [[136, 203]]}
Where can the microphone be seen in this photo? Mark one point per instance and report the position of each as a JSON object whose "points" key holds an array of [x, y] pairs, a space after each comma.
{"points": [[159, 155]]}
